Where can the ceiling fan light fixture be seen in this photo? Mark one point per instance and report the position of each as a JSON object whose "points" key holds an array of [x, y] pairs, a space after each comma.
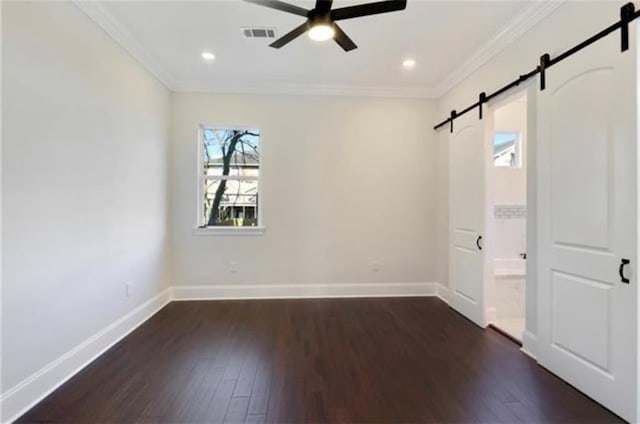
{"points": [[322, 32]]}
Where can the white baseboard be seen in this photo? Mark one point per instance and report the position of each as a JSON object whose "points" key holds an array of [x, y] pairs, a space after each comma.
{"points": [[442, 292], [530, 344], [24, 395], [301, 291]]}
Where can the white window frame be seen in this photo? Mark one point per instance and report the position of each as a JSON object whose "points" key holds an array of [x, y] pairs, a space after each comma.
{"points": [[224, 230]]}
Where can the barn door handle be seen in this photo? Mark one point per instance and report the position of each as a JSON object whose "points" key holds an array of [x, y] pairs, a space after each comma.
{"points": [[623, 263], [478, 242]]}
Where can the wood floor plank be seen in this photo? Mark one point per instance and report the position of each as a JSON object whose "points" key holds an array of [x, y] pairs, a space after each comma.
{"points": [[380, 360], [256, 419], [237, 411], [260, 392]]}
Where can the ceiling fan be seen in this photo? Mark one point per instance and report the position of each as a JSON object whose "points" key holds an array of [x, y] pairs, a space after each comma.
{"points": [[321, 20]]}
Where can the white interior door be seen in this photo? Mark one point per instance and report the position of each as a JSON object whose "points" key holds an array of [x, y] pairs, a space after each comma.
{"points": [[467, 206], [587, 215]]}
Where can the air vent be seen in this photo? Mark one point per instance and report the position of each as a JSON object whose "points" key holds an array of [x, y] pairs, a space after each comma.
{"points": [[258, 32]]}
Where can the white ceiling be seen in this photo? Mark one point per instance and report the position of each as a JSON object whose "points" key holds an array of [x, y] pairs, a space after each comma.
{"points": [[448, 39]]}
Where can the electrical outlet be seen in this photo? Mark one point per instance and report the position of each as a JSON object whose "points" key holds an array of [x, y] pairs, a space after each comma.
{"points": [[375, 266], [127, 289], [233, 267]]}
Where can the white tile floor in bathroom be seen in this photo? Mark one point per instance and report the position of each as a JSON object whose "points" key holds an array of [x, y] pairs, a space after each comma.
{"points": [[509, 296], [512, 326]]}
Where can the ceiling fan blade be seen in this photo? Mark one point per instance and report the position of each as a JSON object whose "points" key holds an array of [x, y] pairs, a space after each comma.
{"points": [[368, 9], [323, 6], [290, 36], [343, 39], [282, 6]]}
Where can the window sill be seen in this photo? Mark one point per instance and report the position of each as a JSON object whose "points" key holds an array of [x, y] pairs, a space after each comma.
{"points": [[229, 231]]}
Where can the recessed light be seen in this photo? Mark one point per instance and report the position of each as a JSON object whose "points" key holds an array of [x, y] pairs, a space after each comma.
{"points": [[321, 32], [208, 56], [409, 63]]}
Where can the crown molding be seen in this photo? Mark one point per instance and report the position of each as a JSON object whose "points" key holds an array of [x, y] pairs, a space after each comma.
{"points": [[99, 14], [517, 27]]}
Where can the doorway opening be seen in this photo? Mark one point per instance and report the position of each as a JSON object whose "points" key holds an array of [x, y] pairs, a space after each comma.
{"points": [[508, 216]]}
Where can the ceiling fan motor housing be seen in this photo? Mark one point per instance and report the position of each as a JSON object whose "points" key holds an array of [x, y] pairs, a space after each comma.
{"points": [[317, 17]]}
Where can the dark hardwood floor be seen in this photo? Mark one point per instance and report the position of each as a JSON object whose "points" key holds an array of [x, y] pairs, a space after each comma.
{"points": [[333, 360]]}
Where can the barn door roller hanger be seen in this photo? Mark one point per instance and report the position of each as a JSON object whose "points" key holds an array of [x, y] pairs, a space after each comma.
{"points": [[627, 14]]}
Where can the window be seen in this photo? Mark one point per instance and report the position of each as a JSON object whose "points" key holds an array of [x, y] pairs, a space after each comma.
{"points": [[507, 151], [229, 177]]}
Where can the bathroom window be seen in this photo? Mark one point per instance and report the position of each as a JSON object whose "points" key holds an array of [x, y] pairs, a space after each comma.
{"points": [[507, 150]]}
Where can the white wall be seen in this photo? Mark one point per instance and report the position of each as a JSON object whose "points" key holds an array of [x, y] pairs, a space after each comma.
{"points": [[345, 181], [84, 184], [570, 24]]}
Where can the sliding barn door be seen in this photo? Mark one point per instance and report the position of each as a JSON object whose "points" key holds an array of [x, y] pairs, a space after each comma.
{"points": [[587, 222], [467, 205]]}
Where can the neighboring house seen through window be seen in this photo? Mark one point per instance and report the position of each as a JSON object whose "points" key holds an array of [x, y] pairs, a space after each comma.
{"points": [[507, 151], [230, 174]]}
